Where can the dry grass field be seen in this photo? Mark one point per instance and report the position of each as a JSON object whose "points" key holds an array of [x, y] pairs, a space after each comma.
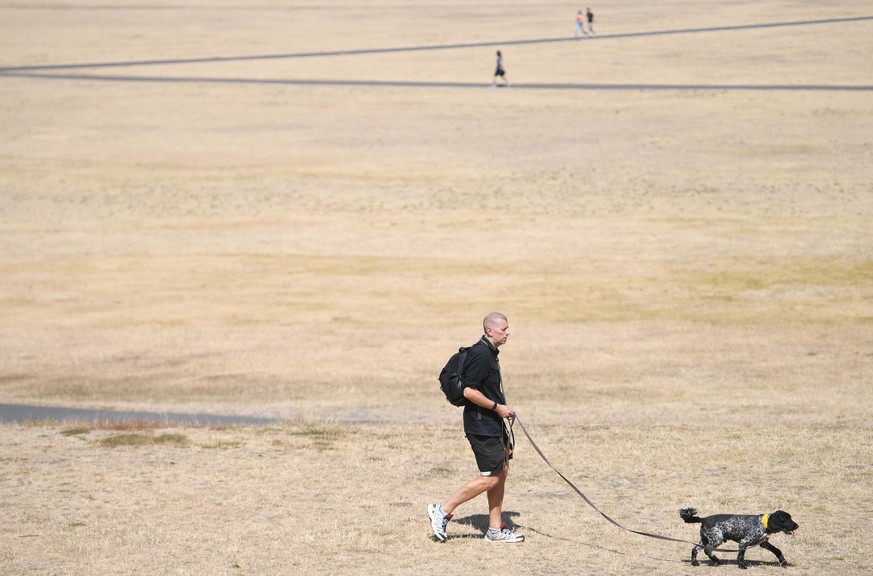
{"points": [[298, 210]]}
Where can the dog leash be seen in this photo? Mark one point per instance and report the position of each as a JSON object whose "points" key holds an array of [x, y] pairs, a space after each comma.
{"points": [[585, 498]]}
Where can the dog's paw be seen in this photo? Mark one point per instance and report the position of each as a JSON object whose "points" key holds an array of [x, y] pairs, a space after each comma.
{"points": [[742, 566], [695, 563], [784, 563]]}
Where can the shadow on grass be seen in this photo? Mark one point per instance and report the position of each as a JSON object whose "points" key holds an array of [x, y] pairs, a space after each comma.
{"points": [[749, 563], [596, 546], [23, 414], [481, 523]]}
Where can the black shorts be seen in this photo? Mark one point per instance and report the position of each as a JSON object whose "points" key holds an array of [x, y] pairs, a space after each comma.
{"points": [[490, 452]]}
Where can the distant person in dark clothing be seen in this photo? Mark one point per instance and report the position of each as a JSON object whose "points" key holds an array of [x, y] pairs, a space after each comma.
{"points": [[500, 71], [590, 16]]}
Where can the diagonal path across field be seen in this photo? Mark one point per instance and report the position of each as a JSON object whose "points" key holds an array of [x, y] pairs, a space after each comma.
{"points": [[436, 47]]}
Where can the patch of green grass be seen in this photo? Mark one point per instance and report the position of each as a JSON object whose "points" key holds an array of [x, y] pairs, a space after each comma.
{"points": [[121, 440], [221, 445], [39, 423], [440, 472], [75, 431], [321, 435], [317, 430], [172, 439]]}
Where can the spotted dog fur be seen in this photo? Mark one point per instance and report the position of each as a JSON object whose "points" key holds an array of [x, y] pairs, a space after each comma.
{"points": [[747, 530]]}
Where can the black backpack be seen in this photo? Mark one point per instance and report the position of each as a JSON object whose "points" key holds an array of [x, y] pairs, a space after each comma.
{"points": [[450, 378]]}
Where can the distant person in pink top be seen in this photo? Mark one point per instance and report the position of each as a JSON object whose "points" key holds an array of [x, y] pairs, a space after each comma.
{"points": [[580, 24]]}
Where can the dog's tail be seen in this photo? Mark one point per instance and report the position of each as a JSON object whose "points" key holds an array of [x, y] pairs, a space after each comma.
{"points": [[690, 515]]}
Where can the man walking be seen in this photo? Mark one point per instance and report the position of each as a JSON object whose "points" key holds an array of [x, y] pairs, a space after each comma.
{"points": [[484, 412]]}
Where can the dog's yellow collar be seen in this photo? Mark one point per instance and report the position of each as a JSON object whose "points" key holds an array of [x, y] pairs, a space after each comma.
{"points": [[764, 519]]}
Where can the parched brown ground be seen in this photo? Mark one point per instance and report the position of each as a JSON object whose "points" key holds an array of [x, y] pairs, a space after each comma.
{"points": [[313, 498], [687, 273]]}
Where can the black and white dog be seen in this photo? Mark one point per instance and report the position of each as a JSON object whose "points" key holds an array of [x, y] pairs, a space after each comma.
{"points": [[747, 530]]}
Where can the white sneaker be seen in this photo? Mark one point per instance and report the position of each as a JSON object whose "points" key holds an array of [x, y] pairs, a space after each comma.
{"points": [[504, 535], [438, 521]]}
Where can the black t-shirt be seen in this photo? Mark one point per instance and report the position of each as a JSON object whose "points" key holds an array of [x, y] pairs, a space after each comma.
{"points": [[482, 372]]}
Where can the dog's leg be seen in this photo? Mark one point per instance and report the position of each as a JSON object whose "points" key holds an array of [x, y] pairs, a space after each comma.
{"points": [[776, 551], [694, 552], [741, 555], [709, 542], [708, 551]]}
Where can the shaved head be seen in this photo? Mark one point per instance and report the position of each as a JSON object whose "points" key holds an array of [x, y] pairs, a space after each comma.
{"points": [[496, 328], [493, 320]]}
